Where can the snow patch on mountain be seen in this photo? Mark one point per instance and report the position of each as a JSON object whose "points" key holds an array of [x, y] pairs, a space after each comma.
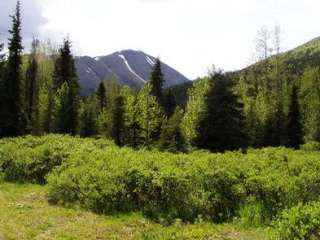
{"points": [[89, 70], [130, 69], [150, 61]]}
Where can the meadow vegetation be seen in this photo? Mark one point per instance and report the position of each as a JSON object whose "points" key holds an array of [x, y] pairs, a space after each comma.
{"points": [[275, 187]]}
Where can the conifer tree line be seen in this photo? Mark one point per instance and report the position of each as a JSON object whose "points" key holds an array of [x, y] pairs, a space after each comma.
{"points": [[39, 94]]}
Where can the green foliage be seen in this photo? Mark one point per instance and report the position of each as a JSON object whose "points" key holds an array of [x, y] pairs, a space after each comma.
{"points": [[101, 96], [310, 92], [172, 138], [150, 116], [221, 124], [65, 81], [311, 146], [195, 108], [131, 114], [156, 82], [61, 109], [23, 204], [301, 222], [169, 186], [30, 159], [294, 126], [88, 117], [169, 103], [13, 116], [254, 187], [32, 85], [117, 128], [106, 95], [253, 214]]}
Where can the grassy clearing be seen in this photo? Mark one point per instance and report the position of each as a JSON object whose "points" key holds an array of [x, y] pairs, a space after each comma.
{"points": [[26, 214]]}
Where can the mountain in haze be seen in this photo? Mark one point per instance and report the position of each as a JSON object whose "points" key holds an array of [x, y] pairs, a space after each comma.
{"points": [[129, 67]]}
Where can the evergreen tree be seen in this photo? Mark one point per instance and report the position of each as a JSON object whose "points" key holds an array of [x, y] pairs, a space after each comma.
{"points": [[65, 73], [104, 118], [65, 70], [61, 109], [170, 103], [101, 96], [13, 109], [88, 126], [275, 128], [1, 61], [157, 81], [150, 116], [117, 129], [32, 88], [294, 126], [222, 125], [2, 89], [172, 139], [48, 112]]}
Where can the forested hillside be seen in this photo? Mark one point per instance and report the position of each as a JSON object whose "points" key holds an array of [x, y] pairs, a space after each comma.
{"points": [[266, 89], [273, 102]]}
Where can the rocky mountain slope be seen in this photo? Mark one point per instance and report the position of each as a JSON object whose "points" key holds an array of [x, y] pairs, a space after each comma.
{"points": [[129, 67]]}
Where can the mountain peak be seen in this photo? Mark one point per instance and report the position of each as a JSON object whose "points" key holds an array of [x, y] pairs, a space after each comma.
{"points": [[129, 67]]}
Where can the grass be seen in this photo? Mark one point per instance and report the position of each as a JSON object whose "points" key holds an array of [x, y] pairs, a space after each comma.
{"points": [[26, 214]]}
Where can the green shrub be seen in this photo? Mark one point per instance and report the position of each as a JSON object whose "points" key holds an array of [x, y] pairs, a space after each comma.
{"points": [[311, 146], [254, 187], [301, 222], [32, 158]]}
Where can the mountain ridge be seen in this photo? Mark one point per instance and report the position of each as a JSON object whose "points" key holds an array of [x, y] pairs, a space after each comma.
{"points": [[129, 67]]}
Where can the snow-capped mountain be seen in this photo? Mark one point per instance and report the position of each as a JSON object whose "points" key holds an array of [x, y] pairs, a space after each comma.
{"points": [[129, 67]]}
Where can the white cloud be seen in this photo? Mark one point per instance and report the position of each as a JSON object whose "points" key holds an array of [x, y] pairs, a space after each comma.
{"points": [[190, 35], [31, 16]]}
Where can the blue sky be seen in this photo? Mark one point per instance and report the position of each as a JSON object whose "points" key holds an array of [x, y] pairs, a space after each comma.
{"points": [[190, 35]]}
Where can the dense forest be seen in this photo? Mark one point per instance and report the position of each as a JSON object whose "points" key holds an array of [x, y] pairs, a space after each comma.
{"points": [[271, 103]]}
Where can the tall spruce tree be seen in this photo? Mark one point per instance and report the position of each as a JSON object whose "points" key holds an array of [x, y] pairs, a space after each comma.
{"points": [[294, 125], [13, 117], [1, 60], [2, 89], [117, 129], [31, 88], [275, 131], [65, 73], [88, 125], [169, 103], [157, 82], [101, 96], [221, 125]]}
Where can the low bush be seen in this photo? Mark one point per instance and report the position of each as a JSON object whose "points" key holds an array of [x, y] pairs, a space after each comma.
{"points": [[168, 186], [253, 187], [30, 159], [311, 146], [301, 222]]}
